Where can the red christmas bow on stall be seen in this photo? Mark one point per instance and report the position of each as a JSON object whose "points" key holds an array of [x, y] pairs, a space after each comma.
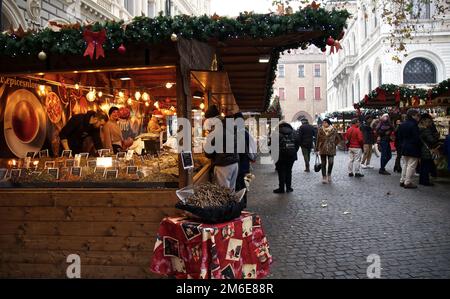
{"points": [[95, 42], [397, 96], [381, 94]]}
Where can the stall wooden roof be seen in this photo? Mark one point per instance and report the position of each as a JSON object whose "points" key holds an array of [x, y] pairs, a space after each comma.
{"points": [[251, 80]]}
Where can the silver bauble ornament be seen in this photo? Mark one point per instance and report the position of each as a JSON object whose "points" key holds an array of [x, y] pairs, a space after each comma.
{"points": [[174, 37], [42, 56]]}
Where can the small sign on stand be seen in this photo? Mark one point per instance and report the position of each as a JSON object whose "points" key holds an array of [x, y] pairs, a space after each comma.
{"points": [[76, 171], [66, 154], [43, 154], [54, 172], [187, 160]]}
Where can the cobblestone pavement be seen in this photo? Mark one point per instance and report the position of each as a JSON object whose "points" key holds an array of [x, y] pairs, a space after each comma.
{"points": [[408, 228]]}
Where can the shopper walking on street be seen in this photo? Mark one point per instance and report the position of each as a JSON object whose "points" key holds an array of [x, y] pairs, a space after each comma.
{"points": [[409, 140], [384, 130], [430, 143], [397, 165], [288, 145], [306, 136], [327, 140], [355, 142], [369, 140]]}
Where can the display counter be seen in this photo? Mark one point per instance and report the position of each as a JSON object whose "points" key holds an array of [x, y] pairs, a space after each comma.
{"points": [[111, 229]]}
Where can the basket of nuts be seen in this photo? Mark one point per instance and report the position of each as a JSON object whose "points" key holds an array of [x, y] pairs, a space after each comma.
{"points": [[211, 203]]}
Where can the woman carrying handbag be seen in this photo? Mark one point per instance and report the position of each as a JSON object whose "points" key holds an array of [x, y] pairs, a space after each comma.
{"points": [[327, 140]]}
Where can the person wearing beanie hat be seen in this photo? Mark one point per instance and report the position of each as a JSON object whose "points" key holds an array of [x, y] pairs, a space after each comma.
{"points": [[384, 131]]}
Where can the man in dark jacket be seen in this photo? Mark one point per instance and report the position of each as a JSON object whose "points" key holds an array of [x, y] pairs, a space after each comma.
{"points": [[306, 135], [369, 140], [225, 163], [288, 148], [409, 141], [79, 128]]}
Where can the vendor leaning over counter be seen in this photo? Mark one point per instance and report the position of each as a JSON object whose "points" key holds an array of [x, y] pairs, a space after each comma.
{"points": [[79, 128]]}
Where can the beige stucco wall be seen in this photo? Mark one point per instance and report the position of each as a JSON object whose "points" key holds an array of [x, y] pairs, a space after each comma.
{"points": [[293, 107]]}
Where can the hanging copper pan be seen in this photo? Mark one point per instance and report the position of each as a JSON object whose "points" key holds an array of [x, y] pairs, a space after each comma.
{"points": [[25, 123]]}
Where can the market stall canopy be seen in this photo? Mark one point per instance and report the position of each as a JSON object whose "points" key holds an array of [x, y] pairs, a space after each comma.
{"points": [[218, 85], [391, 95], [247, 47]]}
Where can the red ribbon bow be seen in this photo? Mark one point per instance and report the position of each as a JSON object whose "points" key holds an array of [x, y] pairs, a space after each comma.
{"points": [[397, 96], [381, 94], [337, 46], [95, 42]]}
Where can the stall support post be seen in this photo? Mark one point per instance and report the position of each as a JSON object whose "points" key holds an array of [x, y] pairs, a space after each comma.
{"points": [[184, 110]]}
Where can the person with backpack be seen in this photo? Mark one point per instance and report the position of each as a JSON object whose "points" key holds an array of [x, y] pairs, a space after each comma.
{"points": [[355, 141], [306, 135], [327, 140], [288, 145]]}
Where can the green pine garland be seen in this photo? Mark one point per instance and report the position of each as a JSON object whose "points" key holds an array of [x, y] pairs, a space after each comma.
{"points": [[203, 28], [155, 30]]}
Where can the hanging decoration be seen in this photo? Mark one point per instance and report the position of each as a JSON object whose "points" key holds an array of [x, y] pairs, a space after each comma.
{"points": [[174, 37], [95, 41], [42, 56], [122, 50]]}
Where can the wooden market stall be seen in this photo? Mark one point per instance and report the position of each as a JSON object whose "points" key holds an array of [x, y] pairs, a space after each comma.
{"points": [[112, 226]]}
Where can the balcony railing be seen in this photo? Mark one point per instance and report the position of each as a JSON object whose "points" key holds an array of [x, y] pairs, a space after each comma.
{"points": [[107, 5]]}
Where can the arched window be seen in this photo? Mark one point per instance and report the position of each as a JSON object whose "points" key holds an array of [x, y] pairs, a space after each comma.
{"points": [[380, 75], [358, 89], [6, 24], [353, 94], [369, 82], [419, 71], [365, 21]]}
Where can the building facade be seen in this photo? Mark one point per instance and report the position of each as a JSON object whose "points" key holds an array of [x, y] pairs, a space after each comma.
{"points": [[365, 62], [301, 84], [33, 14]]}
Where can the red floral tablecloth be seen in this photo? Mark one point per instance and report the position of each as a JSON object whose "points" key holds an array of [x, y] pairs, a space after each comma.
{"points": [[235, 249]]}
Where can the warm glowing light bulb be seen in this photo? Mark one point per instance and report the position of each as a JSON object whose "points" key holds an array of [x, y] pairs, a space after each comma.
{"points": [[222, 114], [100, 94], [147, 104], [137, 95], [145, 96], [156, 104], [121, 94], [130, 101], [77, 86], [42, 88], [203, 113], [169, 85], [202, 106], [90, 96]]}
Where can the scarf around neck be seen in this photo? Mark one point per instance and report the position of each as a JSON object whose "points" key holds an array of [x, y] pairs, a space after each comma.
{"points": [[328, 130]]}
